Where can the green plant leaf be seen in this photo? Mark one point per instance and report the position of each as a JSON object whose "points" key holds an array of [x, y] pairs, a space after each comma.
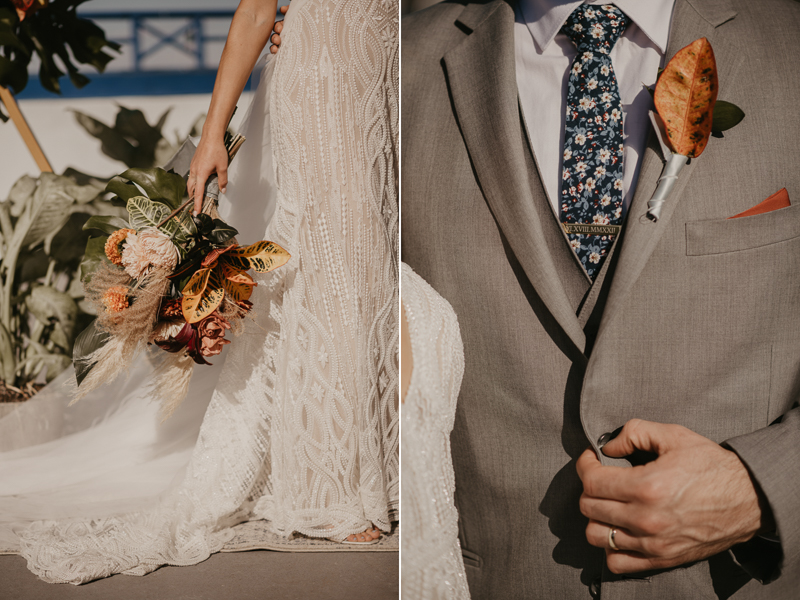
{"points": [[32, 365], [83, 193], [123, 189], [49, 209], [204, 223], [113, 143], [21, 193], [146, 213], [222, 233], [32, 265], [159, 185], [90, 339], [104, 223], [181, 228], [48, 304], [69, 242], [10, 40], [726, 115], [94, 256], [13, 74], [7, 358]]}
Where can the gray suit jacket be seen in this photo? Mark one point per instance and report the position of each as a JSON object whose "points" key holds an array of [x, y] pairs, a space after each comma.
{"points": [[697, 321]]}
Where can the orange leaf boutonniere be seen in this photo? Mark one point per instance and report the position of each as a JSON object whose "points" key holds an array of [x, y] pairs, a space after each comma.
{"points": [[685, 96], [688, 114]]}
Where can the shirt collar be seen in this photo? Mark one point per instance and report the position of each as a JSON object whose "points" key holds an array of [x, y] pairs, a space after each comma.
{"points": [[544, 18]]}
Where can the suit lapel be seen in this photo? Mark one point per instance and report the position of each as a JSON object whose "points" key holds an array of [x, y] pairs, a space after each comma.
{"points": [[482, 80], [692, 19]]}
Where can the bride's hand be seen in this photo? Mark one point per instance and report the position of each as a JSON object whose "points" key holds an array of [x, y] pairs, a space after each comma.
{"points": [[276, 37], [210, 157]]}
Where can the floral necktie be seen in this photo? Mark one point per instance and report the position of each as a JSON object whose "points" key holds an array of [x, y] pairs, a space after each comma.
{"points": [[591, 178]]}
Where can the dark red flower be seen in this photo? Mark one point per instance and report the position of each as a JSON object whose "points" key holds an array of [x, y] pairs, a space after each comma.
{"points": [[187, 338], [28, 7]]}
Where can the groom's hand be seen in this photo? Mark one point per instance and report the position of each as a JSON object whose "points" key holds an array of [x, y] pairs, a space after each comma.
{"points": [[695, 500]]}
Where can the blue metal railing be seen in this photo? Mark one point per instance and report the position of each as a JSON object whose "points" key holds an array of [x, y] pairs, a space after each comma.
{"points": [[149, 34], [190, 39]]}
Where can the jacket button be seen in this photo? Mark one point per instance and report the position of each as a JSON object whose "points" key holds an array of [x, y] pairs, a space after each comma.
{"points": [[594, 588], [604, 439]]}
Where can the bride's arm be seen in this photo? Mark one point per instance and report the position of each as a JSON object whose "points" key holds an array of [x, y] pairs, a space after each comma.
{"points": [[250, 29]]}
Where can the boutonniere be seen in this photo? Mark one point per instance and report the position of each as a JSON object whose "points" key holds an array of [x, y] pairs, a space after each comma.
{"points": [[687, 114]]}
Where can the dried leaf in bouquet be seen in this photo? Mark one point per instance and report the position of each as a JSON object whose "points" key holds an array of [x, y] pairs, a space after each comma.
{"points": [[170, 382], [130, 327]]}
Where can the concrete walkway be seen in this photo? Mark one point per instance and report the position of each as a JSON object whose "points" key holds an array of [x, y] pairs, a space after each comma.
{"points": [[254, 575]]}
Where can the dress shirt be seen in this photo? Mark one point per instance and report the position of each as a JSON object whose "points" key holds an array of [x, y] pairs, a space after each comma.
{"points": [[543, 60]]}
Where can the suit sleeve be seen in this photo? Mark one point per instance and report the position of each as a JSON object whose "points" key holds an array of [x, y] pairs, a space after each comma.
{"points": [[772, 457]]}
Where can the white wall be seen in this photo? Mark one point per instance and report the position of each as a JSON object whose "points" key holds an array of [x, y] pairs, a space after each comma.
{"points": [[66, 144]]}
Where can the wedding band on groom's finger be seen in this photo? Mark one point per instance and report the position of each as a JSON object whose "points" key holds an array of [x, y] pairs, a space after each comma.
{"points": [[612, 534]]}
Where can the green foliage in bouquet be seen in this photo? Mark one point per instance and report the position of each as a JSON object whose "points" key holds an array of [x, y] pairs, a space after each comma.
{"points": [[54, 32], [41, 249], [150, 197]]}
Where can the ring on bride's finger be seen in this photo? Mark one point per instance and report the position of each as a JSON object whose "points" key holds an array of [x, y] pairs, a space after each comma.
{"points": [[612, 533]]}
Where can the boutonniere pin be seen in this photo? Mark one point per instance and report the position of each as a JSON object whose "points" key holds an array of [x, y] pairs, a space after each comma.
{"points": [[688, 113]]}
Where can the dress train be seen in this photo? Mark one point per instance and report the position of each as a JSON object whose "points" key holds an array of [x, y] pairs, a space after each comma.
{"points": [[301, 422]]}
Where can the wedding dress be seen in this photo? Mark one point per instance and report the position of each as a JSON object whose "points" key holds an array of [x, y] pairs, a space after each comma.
{"points": [[433, 568], [299, 423]]}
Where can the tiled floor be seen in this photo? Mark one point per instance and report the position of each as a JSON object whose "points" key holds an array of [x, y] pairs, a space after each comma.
{"points": [[252, 575]]}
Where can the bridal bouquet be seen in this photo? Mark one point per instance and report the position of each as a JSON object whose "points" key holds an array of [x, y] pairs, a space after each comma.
{"points": [[163, 277]]}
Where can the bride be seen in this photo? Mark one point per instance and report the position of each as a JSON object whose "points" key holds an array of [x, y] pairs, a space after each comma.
{"points": [[430, 379], [299, 425]]}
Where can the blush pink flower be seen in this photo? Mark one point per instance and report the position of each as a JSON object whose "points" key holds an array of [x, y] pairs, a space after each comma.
{"points": [[146, 249], [211, 332]]}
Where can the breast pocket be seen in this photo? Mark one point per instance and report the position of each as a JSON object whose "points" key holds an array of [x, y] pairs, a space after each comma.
{"points": [[720, 236]]}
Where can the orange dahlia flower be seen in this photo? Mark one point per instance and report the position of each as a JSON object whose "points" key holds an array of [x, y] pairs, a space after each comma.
{"points": [[116, 298], [113, 243]]}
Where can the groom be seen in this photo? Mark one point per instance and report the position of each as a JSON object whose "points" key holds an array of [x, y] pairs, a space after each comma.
{"points": [[627, 423]]}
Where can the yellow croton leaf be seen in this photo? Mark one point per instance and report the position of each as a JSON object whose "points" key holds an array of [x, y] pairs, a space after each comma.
{"points": [[202, 294], [197, 308], [262, 257], [198, 283], [238, 284]]}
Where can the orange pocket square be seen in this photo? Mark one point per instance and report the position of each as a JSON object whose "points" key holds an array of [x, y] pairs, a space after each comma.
{"points": [[779, 199]]}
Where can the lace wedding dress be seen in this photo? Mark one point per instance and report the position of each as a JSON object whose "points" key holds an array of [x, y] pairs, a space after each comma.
{"points": [[301, 424], [431, 555]]}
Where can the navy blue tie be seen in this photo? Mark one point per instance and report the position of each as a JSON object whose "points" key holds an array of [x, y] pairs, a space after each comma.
{"points": [[591, 179]]}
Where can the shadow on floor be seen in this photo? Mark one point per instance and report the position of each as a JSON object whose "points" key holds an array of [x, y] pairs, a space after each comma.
{"points": [[254, 575]]}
